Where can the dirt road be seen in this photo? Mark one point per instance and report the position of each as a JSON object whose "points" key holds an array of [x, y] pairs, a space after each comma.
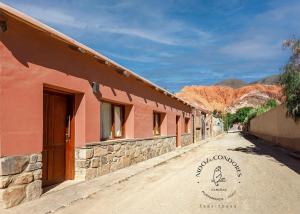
{"points": [[236, 174]]}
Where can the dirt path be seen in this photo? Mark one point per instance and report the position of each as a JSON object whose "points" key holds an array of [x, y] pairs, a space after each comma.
{"points": [[269, 182]]}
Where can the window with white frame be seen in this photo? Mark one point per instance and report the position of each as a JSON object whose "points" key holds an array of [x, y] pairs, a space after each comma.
{"points": [[112, 121]]}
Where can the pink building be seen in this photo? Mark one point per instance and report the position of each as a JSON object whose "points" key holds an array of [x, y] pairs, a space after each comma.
{"points": [[68, 112]]}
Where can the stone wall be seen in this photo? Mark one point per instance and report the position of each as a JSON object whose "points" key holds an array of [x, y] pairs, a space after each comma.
{"points": [[186, 139], [20, 179], [104, 157]]}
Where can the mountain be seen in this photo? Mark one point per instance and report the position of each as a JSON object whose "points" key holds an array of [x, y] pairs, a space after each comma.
{"points": [[232, 94], [271, 80], [237, 83], [233, 83], [228, 99]]}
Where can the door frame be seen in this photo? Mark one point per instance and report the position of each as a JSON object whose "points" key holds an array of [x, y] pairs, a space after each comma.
{"points": [[193, 128], [70, 146], [203, 127], [177, 130]]}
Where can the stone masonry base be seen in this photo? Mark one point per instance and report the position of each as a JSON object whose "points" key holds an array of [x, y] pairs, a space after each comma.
{"points": [[101, 158], [186, 139], [20, 179], [20, 176]]}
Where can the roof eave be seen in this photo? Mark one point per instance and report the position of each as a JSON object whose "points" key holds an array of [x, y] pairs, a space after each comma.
{"points": [[83, 48]]}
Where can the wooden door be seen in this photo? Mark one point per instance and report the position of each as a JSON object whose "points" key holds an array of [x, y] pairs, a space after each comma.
{"points": [[177, 131], [203, 128], [58, 143], [193, 128]]}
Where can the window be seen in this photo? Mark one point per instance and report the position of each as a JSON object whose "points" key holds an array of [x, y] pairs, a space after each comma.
{"points": [[156, 123], [118, 121], [186, 125], [106, 121], [112, 121]]}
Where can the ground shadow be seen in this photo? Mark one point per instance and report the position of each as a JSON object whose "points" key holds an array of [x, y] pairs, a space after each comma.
{"points": [[261, 147], [48, 188]]}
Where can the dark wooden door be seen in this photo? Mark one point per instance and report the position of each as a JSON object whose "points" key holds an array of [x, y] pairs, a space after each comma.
{"points": [[203, 128], [57, 138]]}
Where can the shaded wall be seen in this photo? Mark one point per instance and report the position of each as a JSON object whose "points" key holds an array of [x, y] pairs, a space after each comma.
{"points": [[274, 126], [31, 60]]}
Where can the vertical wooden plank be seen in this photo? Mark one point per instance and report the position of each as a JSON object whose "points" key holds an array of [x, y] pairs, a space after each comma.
{"points": [[58, 151]]}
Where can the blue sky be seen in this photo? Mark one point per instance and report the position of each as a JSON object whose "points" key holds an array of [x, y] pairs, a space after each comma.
{"points": [[179, 42]]}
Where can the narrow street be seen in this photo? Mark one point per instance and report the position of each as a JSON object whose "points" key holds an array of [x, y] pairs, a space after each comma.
{"points": [[269, 183]]}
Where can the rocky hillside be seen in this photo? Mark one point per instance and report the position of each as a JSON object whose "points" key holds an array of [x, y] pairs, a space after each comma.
{"points": [[233, 83], [237, 83], [270, 80], [228, 99]]}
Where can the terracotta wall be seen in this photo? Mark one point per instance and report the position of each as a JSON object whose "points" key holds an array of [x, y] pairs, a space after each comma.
{"points": [[274, 126], [31, 60]]}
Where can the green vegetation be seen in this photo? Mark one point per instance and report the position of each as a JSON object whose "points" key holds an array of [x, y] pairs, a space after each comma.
{"points": [[271, 103], [290, 79], [239, 117], [229, 120], [244, 115]]}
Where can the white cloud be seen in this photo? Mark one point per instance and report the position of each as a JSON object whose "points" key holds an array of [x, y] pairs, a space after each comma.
{"points": [[155, 28], [261, 39], [144, 59], [140, 33], [50, 15], [252, 49]]}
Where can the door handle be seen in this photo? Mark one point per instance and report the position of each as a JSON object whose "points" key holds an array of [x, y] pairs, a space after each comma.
{"points": [[68, 132]]}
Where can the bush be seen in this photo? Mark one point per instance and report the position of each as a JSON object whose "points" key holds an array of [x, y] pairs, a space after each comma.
{"points": [[251, 114], [229, 119], [242, 113], [271, 103]]}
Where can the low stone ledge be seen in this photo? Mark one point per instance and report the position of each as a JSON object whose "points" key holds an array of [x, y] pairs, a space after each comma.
{"points": [[103, 157], [186, 139], [124, 140], [20, 179]]}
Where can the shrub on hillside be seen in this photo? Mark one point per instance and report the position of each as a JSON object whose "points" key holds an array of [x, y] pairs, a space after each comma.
{"points": [[271, 103]]}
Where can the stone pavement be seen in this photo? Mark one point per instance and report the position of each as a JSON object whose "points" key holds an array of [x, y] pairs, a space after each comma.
{"points": [[54, 200]]}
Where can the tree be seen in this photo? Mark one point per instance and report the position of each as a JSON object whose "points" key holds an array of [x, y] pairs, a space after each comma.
{"points": [[290, 79], [251, 114], [242, 113], [229, 119], [245, 114]]}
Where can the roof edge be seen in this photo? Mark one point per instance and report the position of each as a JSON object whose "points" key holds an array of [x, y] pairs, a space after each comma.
{"points": [[83, 48]]}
